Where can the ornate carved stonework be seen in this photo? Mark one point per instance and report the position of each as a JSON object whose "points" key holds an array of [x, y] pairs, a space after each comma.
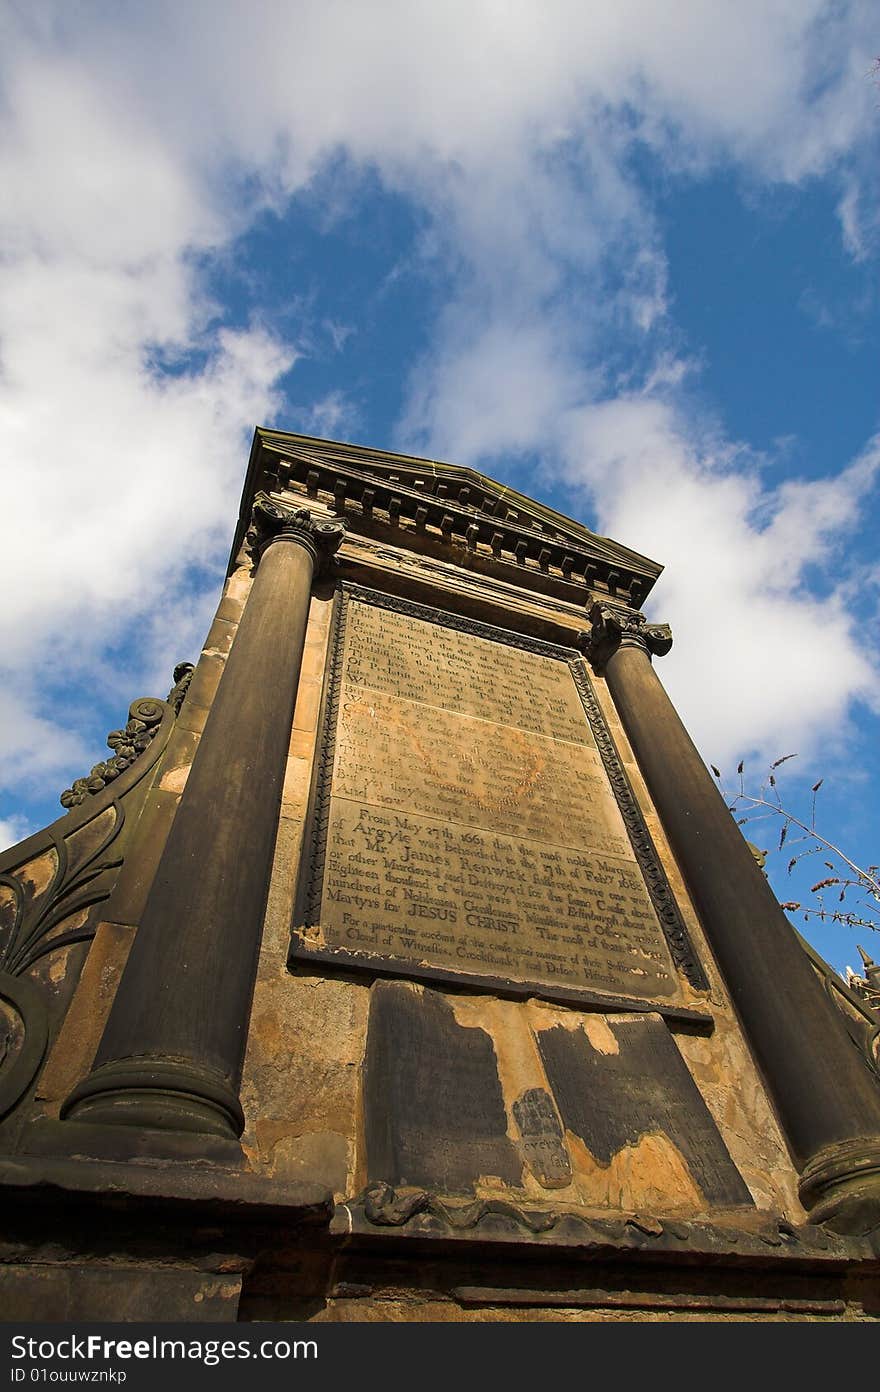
{"points": [[271, 522], [416, 1210], [614, 628], [144, 718], [867, 986], [53, 884], [460, 516]]}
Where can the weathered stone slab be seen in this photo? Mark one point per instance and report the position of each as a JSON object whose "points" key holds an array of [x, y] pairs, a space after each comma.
{"points": [[434, 1112], [613, 1098], [401, 754], [473, 901], [542, 1144], [59, 1293]]}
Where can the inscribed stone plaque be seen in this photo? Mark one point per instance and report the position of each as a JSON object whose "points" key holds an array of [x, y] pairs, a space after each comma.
{"points": [[466, 823]]}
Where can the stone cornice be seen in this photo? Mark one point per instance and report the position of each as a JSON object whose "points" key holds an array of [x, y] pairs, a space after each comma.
{"points": [[448, 511], [740, 1239]]}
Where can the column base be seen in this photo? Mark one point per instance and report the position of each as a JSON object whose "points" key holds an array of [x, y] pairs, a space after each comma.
{"points": [[82, 1143], [840, 1187], [157, 1094]]}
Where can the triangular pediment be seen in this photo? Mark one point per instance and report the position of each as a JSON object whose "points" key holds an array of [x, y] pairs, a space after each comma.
{"points": [[455, 504]]}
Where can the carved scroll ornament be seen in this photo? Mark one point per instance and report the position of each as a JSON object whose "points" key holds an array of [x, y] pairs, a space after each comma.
{"points": [[51, 882], [144, 718], [271, 521], [614, 628]]}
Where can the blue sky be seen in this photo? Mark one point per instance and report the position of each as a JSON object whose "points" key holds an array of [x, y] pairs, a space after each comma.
{"points": [[626, 262]]}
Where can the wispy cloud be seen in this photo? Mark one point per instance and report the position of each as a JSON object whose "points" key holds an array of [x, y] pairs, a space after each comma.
{"points": [[13, 830]]}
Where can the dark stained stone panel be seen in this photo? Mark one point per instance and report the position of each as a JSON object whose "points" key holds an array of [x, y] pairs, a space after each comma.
{"points": [[434, 1113], [611, 1100]]}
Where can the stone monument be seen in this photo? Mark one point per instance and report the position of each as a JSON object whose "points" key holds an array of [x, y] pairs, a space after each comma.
{"points": [[406, 963]]}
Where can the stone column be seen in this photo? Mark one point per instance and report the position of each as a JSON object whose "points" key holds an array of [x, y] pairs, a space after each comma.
{"points": [[173, 1047], [826, 1097]]}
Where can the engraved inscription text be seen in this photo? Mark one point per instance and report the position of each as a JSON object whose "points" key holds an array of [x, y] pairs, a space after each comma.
{"points": [[472, 827]]}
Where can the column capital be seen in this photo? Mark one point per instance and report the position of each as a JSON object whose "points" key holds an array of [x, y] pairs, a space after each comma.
{"points": [[613, 628], [271, 522]]}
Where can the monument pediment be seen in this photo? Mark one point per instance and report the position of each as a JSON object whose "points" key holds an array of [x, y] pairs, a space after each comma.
{"points": [[449, 510]]}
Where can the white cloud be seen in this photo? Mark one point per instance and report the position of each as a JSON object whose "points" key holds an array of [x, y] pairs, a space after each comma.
{"points": [[121, 479], [136, 138], [333, 416], [492, 396], [858, 225], [35, 748], [14, 829], [760, 661]]}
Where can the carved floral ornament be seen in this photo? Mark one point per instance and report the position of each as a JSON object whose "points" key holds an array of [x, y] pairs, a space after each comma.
{"points": [[271, 521], [52, 884], [144, 718], [620, 628]]}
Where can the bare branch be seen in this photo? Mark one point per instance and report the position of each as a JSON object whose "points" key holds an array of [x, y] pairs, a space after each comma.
{"points": [[864, 882]]}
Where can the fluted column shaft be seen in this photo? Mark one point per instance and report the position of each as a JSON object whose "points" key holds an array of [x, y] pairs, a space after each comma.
{"points": [[173, 1047], [827, 1100]]}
